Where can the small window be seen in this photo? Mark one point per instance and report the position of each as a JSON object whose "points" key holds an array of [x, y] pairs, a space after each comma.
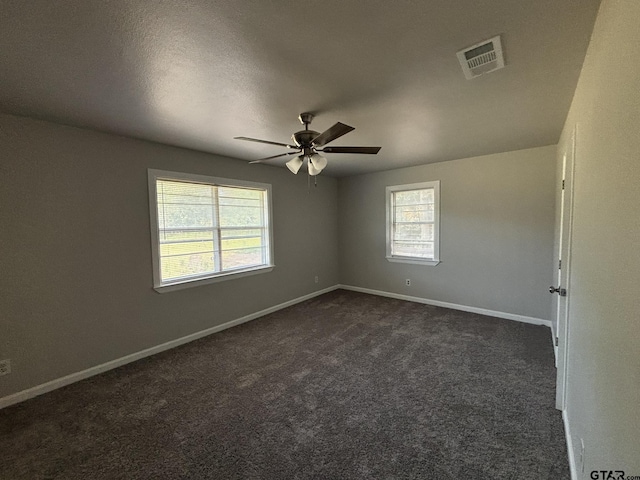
{"points": [[207, 229], [413, 218]]}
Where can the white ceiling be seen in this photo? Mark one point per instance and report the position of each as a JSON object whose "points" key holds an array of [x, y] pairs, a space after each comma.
{"points": [[198, 73]]}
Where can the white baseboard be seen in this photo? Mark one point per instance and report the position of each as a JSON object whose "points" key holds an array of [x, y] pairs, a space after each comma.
{"points": [[90, 372], [454, 306], [573, 468]]}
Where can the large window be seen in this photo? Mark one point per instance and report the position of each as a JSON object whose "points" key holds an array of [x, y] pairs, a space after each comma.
{"points": [[413, 218], [206, 229]]}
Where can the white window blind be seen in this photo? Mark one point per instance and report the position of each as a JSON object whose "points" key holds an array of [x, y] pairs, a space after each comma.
{"points": [[209, 229], [412, 222]]}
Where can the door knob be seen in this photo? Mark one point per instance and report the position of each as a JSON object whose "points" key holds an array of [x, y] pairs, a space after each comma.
{"points": [[561, 291]]}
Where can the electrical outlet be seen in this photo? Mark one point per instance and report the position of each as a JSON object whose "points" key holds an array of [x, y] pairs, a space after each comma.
{"points": [[5, 367], [316, 278], [408, 282]]}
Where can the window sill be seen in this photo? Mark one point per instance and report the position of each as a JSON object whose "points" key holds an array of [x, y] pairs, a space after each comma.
{"points": [[182, 284], [416, 261]]}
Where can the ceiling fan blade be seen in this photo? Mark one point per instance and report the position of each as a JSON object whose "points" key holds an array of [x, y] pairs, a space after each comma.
{"points": [[369, 150], [265, 141], [260, 160], [331, 134]]}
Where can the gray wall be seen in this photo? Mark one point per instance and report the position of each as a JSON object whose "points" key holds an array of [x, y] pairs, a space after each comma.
{"points": [[76, 283], [497, 229], [603, 396]]}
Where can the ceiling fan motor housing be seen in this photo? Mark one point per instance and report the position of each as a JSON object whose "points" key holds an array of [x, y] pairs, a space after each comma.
{"points": [[303, 138]]}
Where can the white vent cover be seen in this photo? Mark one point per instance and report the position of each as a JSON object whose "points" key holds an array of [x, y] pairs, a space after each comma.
{"points": [[481, 58]]}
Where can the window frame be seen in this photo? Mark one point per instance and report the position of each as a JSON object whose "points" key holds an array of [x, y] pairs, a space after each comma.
{"points": [[177, 284], [390, 190]]}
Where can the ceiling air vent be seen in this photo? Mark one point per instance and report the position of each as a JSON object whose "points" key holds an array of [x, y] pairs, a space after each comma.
{"points": [[481, 58]]}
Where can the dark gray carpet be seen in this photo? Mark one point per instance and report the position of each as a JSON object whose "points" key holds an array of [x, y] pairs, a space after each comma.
{"points": [[343, 386]]}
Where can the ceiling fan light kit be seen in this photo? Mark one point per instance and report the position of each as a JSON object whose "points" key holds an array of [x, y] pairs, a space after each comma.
{"points": [[307, 144], [313, 171], [318, 161], [315, 164], [295, 164]]}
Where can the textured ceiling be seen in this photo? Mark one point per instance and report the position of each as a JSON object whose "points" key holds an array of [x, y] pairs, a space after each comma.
{"points": [[197, 73]]}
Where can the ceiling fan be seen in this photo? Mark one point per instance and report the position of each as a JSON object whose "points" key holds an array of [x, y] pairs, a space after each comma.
{"points": [[307, 143]]}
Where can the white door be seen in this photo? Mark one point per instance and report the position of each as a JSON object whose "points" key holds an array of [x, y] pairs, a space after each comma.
{"points": [[562, 286]]}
